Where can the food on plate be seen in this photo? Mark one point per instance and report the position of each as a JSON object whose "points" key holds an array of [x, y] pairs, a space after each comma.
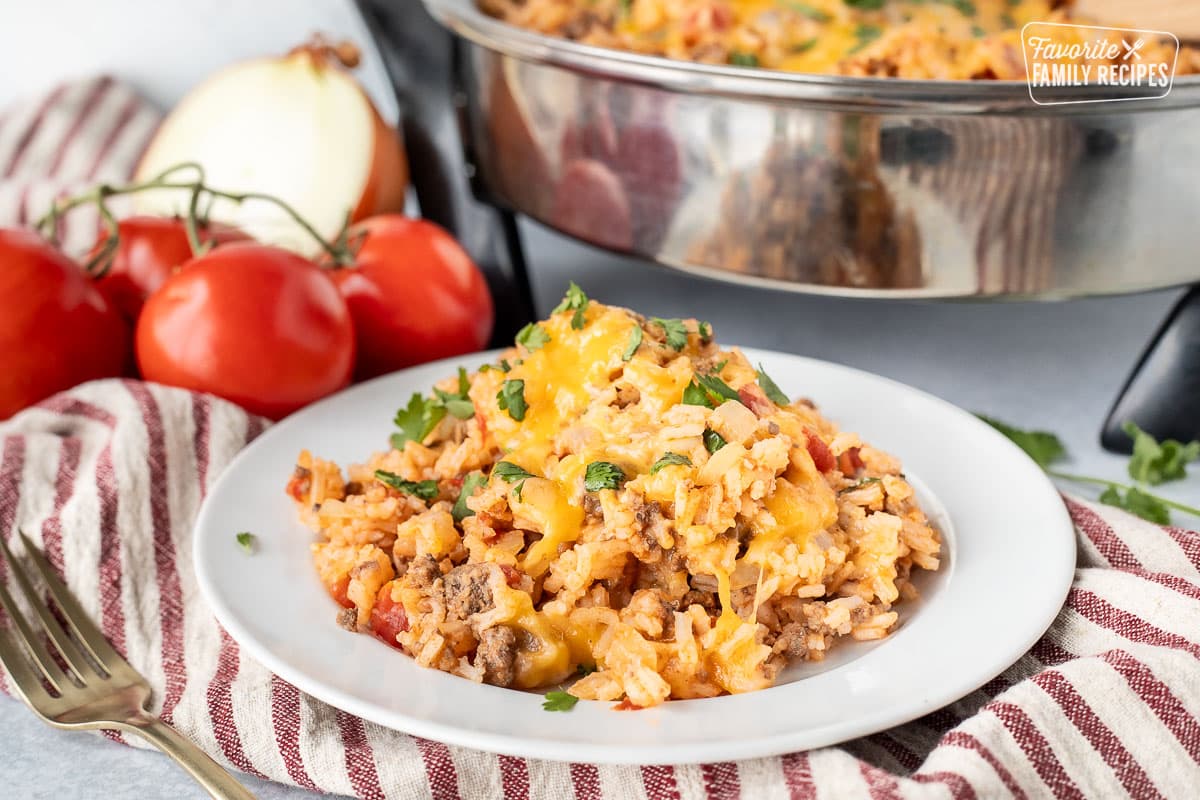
{"points": [[620, 497], [56, 329], [145, 251], [414, 295], [942, 39], [258, 325], [297, 127]]}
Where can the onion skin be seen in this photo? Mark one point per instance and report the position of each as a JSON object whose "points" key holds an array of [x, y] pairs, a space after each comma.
{"points": [[388, 176]]}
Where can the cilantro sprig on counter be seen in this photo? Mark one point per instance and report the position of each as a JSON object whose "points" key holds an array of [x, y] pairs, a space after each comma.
{"points": [[1152, 463]]}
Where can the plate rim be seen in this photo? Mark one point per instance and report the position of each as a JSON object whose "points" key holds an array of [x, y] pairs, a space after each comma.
{"points": [[606, 753]]}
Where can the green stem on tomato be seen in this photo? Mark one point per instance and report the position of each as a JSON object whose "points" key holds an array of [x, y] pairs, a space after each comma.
{"points": [[1066, 476], [48, 224]]}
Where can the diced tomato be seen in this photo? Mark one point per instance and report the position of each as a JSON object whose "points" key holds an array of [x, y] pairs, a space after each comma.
{"points": [[753, 398], [387, 617], [849, 462], [821, 456], [338, 592], [511, 576], [625, 705], [300, 485]]}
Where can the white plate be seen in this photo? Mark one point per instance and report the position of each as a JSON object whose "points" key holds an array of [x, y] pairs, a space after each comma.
{"points": [[1011, 557]]}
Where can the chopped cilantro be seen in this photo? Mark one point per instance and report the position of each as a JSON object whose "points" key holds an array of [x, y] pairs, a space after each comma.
{"points": [[425, 490], [713, 441], [675, 330], [859, 485], [635, 341], [511, 398], [416, 421], [511, 473], [670, 460], [575, 300], [865, 5], [770, 388], [585, 669], [978, 32], [603, 475], [705, 330], [864, 35], [559, 701], [805, 46], [717, 387], [470, 483], [504, 365], [815, 14], [532, 336], [245, 540], [695, 395], [1153, 462], [740, 59]]}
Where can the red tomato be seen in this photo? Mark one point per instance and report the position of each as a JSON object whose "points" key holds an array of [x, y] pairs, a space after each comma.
{"points": [[257, 325], [821, 455], [387, 617], [415, 295], [150, 250], [56, 329]]}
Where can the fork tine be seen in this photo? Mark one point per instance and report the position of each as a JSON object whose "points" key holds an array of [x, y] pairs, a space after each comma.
{"points": [[27, 680], [70, 652], [12, 658], [77, 619]]}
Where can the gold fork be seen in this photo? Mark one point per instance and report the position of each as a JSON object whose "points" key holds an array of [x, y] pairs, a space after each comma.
{"points": [[98, 689]]}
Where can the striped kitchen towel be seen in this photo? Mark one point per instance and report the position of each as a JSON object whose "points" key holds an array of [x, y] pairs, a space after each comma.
{"points": [[108, 477], [66, 141]]}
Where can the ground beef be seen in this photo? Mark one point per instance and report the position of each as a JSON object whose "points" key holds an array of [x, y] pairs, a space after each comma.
{"points": [[422, 572], [792, 642], [497, 655], [467, 590], [348, 618]]}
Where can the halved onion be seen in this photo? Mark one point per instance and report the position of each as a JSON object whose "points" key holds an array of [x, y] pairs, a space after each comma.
{"points": [[300, 128]]}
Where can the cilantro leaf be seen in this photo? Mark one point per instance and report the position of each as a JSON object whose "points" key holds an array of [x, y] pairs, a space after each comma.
{"points": [[865, 5], [470, 483], [865, 34], [675, 330], [717, 387], [574, 300], [695, 395], [804, 9], [511, 473], [1043, 447], [459, 406], [1154, 462], [635, 341], [1137, 502], [504, 365], [705, 331], [532, 337], [246, 540], [740, 59], [713, 441], [771, 389], [603, 475], [511, 398], [425, 490], [859, 485], [669, 460], [464, 383], [585, 669], [559, 701], [416, 421]]}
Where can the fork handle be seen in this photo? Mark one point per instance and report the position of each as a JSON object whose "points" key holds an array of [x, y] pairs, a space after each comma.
{"points": [[208, 773]]}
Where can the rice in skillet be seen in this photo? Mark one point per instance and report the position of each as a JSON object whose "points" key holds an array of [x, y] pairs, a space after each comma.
{"points": [[618, 493]]}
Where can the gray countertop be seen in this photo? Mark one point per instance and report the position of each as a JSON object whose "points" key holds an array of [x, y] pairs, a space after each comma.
{"points": [[1055, 366]]}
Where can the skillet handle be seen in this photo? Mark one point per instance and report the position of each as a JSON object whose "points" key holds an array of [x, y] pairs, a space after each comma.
{"points": [[1162, 394]]}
